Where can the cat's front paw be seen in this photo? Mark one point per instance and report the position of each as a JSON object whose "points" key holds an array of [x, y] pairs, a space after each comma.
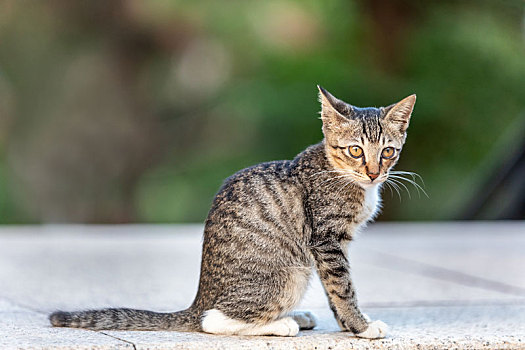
{"points": [[375, 330]]}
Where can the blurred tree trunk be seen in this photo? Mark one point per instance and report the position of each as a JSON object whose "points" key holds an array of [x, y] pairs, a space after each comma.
{"points": [[391, 23], [102, 130]]}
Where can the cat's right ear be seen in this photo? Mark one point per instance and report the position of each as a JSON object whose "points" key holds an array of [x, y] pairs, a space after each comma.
{"points": [[334, 112], [399, 113]]}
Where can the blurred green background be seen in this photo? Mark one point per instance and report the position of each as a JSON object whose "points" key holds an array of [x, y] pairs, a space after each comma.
{"points": [[136, 111]]}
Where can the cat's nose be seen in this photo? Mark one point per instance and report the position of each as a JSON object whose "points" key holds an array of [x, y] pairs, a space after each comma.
{"points": [[372, 176]]}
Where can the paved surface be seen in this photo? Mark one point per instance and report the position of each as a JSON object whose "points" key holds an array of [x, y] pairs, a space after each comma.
{"points": [[438, 286]]}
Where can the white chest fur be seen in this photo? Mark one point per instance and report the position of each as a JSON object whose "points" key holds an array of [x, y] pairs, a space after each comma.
{"points": [[371, 205]]}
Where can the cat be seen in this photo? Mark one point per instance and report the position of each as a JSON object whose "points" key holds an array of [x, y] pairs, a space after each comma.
{"points": [[271, 224]]}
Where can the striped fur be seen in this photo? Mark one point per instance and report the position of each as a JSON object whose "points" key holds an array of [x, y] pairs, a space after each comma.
{"points": [[271, 224]]}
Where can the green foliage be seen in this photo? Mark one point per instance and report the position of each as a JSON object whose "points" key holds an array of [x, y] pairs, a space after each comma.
{"points": [[192, 91]]}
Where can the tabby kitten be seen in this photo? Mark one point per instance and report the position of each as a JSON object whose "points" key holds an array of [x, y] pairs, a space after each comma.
{"points": [[270, 224]]}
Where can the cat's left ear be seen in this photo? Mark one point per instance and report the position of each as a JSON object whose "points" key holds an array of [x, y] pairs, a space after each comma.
{"points": [[399, 113]]}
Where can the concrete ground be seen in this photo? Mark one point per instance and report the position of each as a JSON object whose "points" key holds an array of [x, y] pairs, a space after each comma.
{"points": [[438, 286]]}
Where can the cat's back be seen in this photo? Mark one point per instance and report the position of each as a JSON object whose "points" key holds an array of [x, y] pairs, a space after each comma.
{"points": [[262, 173], [262, 200]]}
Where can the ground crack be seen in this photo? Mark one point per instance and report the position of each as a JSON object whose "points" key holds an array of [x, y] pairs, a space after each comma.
{"points": [[124, 340]]}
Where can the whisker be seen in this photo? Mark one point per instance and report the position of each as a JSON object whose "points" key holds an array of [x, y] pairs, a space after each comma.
{"points": [[387, 185], [409, 181], [327, 171], [411, 173], [335, 178], [414, 183], [339, 182], [395, 187], [344, 187], [343, 178], [402, 184]]}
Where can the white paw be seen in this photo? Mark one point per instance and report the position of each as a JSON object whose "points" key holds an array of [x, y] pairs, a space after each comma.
{"points": [[286, 327], [376, 329], [305, 319]]}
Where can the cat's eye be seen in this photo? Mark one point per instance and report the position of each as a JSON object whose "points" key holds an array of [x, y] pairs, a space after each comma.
{"points": [[388, 152], [355, 151]]}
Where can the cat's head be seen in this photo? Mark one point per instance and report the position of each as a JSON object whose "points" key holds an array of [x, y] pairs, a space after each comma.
{"points": [[365, 143]]}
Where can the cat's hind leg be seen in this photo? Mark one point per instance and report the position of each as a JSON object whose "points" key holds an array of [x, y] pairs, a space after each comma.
{"points": [[305, 319], [216, 322]]}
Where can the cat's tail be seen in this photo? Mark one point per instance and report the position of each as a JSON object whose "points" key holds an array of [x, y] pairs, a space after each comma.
{"points": [[128, 319]]}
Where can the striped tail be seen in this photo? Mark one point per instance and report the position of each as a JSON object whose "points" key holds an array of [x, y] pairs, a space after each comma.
{"points": [[127, 319]]}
